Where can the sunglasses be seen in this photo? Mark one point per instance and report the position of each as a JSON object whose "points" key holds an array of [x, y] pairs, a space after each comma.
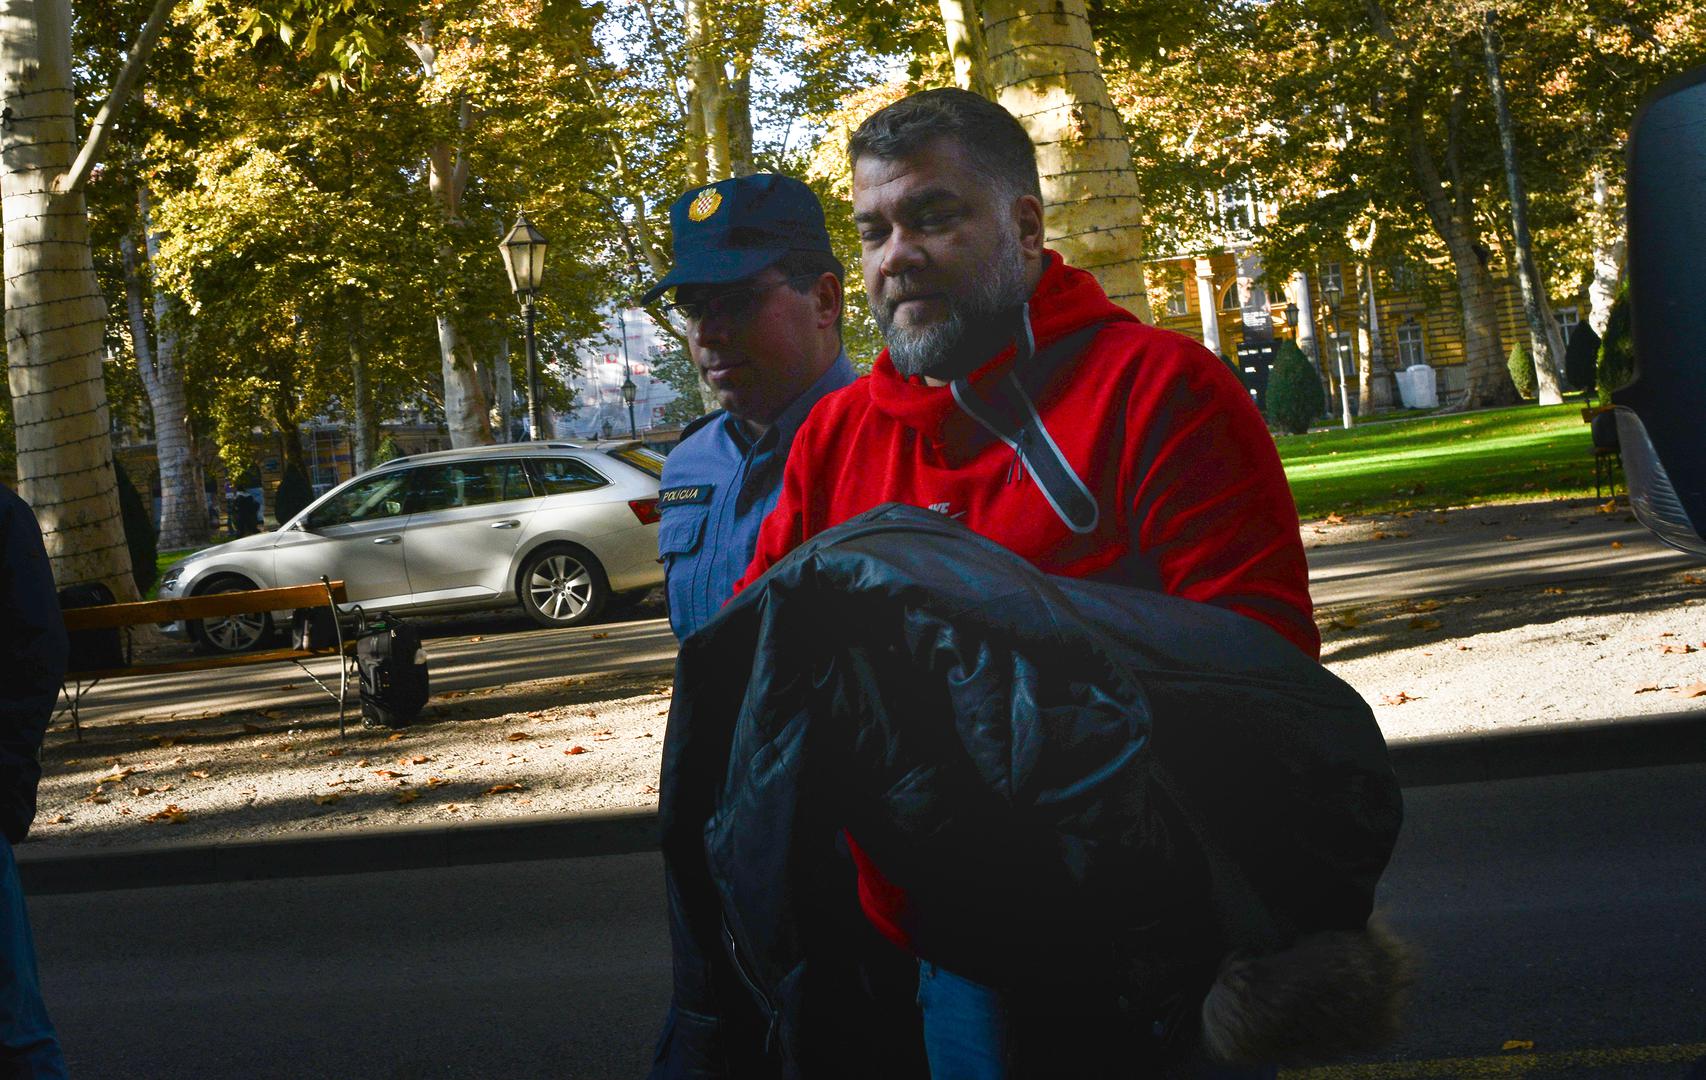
{"points": [[731, 303]]}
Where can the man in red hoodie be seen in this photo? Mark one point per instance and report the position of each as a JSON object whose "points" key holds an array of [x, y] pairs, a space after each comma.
{"points": [[1015, 397]]}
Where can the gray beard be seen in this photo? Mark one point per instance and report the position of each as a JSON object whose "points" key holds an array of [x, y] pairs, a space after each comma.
{"points": [[977, 326]]}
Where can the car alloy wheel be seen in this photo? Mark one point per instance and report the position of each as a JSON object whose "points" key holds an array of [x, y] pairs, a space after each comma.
{"points": [[562, 589], [232, 633]]}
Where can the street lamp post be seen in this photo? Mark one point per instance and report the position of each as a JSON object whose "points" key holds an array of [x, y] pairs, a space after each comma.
{"points": [[629, 390], [524, 257], [1332, 295]]}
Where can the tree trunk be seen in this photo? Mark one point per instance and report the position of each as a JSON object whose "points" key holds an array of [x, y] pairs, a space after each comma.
{"points": [[738, 102], [1548, 342], [503, 392], [183, 505], [183, 511], [1376, 391], [1489, 382], [963, 24], [465, 406], [54, 310], [1045, 72], [1609, 230], [706, 74], [364, 425]]}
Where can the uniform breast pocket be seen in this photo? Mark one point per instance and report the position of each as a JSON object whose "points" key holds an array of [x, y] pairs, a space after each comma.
{"points": [[681, 531]]}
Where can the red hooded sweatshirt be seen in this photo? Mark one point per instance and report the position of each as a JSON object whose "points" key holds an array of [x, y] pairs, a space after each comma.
{"points": [[1191, 495]]}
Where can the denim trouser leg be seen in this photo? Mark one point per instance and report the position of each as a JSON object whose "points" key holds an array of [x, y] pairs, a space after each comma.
{"points": [[971, 1030], [28, 1045], [965, 1026]]}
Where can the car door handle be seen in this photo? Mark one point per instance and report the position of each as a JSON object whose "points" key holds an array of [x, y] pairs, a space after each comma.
{"points": [[388, 540], [510, 524]]}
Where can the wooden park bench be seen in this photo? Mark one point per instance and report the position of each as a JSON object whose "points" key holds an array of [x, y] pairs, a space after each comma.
{"points": [[249, 602]]}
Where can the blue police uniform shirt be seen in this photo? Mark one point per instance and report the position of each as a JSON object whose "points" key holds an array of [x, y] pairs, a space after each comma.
{"points": [[718, 485]]}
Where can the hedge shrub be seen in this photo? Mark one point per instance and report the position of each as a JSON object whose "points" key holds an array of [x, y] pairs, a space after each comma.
{"points": [[140, 536], [1580, 358], [1295, 398], [1617, 351], [1522, 371]]}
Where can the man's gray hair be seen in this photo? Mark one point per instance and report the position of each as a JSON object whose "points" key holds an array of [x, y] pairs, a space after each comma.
{"points": [[996, 143]]}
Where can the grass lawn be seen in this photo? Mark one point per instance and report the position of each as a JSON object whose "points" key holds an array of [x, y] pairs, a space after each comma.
{"points": [[1501, 455]]}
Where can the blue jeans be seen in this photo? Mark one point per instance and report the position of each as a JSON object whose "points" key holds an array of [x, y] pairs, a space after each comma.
{"points": [[971, 1032], [28, 1045]]}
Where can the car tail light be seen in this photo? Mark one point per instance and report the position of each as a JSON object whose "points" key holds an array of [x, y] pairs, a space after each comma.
{"points": [[646, 510]]}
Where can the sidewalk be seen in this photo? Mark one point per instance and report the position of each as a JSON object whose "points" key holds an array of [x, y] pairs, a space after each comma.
{"points": [[1467, 685]]}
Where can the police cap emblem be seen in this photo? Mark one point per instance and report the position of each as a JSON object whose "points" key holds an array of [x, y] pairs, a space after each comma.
{"points": [[705, 205]]}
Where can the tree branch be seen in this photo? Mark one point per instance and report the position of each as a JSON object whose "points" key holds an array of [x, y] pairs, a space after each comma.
{"points": [[101, 129]]}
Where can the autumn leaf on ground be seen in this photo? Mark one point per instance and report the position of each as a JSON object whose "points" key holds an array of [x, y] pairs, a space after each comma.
{"points": [[499, 789], [388, 774], [1607, 507], [1553, 591], [418, 759], [1510, 536], [59, 819], [141, 791], [406, 797], [1425, 624], [1687, 579], [1616, 545], [1399, 698], [395, 736], [1426, 605], [171, 813], [536, 716], [1646, 690], [97, 798], [1692, 691], [576, 750], [436, 781], [1334, 519], [604, 731], [1677, 650], [649, 790], [1518, 1044], [599, 637], [1379, 535], [164, 740], [327, 800], [336, 751], [1350, 620], [517, 736], [472, 640], [117, 777]]}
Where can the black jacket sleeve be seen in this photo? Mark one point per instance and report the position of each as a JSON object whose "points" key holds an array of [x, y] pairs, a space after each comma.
{"points": [[32, 635]]}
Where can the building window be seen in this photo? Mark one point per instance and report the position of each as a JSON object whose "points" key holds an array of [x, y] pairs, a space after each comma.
{"points": [[1237, 208], [1568, 318], [1176, 303], [1232, 299], [1404, 278], [1410, 350], [1332, 278]]}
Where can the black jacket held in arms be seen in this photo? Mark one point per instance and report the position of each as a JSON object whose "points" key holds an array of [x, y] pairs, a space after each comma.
{"points": [[1078, 785], [32, 639]]}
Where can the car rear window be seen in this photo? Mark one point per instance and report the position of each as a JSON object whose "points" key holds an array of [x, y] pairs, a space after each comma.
{"points": [[643, 458], [564, 475]]}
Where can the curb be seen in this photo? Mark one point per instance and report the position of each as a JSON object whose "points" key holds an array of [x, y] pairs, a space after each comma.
{"points": [[1669, 739]]}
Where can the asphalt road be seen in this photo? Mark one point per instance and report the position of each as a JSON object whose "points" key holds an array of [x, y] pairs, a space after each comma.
{"points": [[498, 649], [1567, 911]]}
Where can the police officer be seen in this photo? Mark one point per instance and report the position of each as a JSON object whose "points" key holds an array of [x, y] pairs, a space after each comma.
{"points": [[760, 292]]}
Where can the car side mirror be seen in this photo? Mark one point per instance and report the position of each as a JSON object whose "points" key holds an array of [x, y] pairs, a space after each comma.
{"points": [[1661, 412]]}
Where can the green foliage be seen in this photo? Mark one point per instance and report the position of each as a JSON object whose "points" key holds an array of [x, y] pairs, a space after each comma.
{"points": [[293, 495], [1295, 397], [139, 532], [677, 369], [1522, 371], [1617, 351], [388, 450], [1581, 357]]}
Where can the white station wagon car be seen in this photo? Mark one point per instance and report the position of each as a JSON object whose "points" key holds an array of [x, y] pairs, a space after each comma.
{"points": [[559, 528]]}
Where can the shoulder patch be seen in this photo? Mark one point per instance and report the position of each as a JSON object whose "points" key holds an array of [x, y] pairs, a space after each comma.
{"points": [[700, 422], [682, 496]]}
